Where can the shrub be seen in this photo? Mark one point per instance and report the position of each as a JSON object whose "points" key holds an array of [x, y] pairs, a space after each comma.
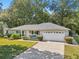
{"points": [[25, 38], [15, 36], [68, 40], [77, 39], [9, 35], [1, 35], [40, 38]]}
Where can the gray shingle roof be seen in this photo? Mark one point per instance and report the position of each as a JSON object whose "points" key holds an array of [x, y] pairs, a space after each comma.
{"points": [[42, 26]]}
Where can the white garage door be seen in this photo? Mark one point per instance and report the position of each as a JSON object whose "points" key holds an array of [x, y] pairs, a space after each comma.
{"points": [[55, 36]]}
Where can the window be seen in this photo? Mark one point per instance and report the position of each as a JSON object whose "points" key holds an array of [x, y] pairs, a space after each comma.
{"points": [[59, 32], [48, 32], [56, 32], [34, 32], [30, 31], [18, 31]]}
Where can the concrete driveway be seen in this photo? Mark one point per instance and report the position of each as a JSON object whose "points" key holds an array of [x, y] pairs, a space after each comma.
{"points": [[44, 50]]}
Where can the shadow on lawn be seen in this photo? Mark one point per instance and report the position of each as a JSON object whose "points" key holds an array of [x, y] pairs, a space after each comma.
{"points": [[10, 51], [36, 54]]}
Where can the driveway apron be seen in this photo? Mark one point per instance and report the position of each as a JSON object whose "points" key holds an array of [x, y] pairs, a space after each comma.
{"points": [[44, 50]]}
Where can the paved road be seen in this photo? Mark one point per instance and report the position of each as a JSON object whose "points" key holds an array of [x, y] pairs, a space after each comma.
{"points": [[44, 50]]}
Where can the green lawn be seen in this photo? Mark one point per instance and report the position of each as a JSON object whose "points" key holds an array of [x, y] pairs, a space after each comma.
{"points": [[11, 48], [71, 52], [77, 39]]}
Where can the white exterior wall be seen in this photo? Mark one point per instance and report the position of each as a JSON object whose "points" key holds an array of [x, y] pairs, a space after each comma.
{"points": [[5, 31], [26, 33], [8, 32], [67, 33]]}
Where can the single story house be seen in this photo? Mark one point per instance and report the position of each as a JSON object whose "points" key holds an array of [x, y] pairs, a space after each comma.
{"points": [[49, 31]]}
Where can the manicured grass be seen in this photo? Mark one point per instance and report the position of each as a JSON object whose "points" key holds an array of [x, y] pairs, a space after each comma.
{"points": [[71, 52], [11, 48], [77, 39]]}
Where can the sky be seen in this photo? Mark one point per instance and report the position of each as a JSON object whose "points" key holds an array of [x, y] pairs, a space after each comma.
{"points": [[6, 3]]}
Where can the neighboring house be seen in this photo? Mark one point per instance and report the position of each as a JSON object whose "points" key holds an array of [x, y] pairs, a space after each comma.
{"points": [[49, 31]]}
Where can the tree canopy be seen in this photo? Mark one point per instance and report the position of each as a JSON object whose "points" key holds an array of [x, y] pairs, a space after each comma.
{"points": [[63, 12]]}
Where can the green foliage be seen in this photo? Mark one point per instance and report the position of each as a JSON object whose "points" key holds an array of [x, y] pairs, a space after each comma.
{"points": [[9, 35], [69, 40], [5, 41], [25, 12], [11, 48], [25, 38], [2, 27], [32, 12], [71, 52], [39, 37], [65, 15], [77, 39], [15, 36], [10, 51]]}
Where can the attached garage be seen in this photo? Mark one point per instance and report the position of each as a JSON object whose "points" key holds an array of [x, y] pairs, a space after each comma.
{"points": [[53, 32], [54, 35]]}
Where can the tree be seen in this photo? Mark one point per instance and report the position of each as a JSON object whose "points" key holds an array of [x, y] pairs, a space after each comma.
{"points": [[2, 27], [63, 9], [26, 12], [65, 14]]}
